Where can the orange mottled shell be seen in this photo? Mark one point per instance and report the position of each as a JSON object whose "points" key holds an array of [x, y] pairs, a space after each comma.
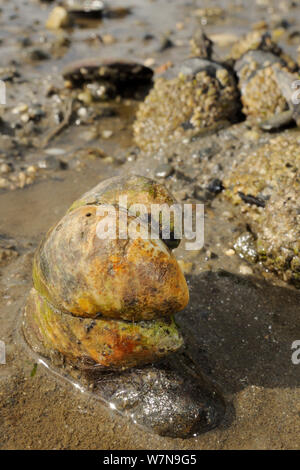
{"points": [[133, 279], [112, 344]]}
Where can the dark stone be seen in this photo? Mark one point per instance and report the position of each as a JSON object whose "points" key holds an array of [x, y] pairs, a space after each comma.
{"points": [[252, 200], [170, 399], [215, 186], [166, 44], [164, 170], [38, 55]]}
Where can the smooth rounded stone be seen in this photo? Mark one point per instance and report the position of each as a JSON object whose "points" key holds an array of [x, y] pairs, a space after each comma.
{"points": [[55, 152], [215, 186], [169, 399], [197, 96], [164, 170], [269, 177], [110, 344], [126, 77]]}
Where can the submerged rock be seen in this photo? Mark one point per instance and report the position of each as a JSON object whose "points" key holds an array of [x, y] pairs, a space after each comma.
{"points": [[169, 399]]}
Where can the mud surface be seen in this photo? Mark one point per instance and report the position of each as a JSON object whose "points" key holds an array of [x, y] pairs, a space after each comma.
{"points": [[241, 321]]}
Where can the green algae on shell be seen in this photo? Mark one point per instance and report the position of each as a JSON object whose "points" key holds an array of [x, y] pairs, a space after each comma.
{"points": [[201, 95], [112, 344]]}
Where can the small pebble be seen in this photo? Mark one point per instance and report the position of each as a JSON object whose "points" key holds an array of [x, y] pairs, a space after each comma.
{"points": [[55, 152], [149, 62], [3, 183], [38, 55], [215, 186], [230, 252], [245, 270], [108, 39], [50, 163], [106, 134], [21, 108], [186, 267], [164, 170], [5, 168], [58, 18]]}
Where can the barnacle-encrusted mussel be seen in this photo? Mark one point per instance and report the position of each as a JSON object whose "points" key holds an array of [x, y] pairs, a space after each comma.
{"points": [[106, 305], [198, 95], [265, 76]]}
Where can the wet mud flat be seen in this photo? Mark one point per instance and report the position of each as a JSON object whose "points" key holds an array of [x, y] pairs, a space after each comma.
{"points": [[241, 320]]}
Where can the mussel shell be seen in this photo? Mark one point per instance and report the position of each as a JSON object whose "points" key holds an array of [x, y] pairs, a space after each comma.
{"points": [[112, 344], [133, 279], [117, 71], [261, 59]]}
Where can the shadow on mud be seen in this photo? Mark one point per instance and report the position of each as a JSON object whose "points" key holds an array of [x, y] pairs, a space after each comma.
{"points": [[240, 330]]}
